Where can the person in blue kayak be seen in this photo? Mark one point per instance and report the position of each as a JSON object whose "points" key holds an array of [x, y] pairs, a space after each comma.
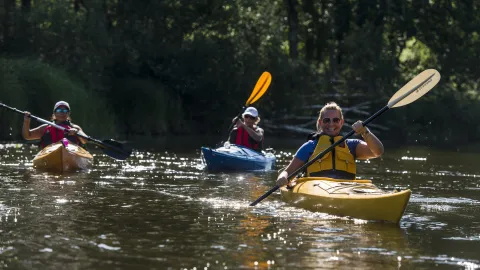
{"points": [[247, 132], [340, 162], [48, 134]]}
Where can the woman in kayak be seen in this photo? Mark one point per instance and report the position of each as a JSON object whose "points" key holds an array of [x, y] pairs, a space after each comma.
{"points": [[48, 134], [247, 132], [340, 162]]}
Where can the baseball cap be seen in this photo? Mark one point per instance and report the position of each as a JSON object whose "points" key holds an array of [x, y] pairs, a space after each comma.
{"points": [[250, 111], [61, 103]]}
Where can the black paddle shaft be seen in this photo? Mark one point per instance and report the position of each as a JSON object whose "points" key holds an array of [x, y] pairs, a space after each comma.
{"points": [[297, 171], [117, 152], [50, 123], [414, 89]]}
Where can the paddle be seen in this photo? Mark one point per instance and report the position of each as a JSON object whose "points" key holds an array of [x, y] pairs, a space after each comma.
{"points": [[412, 91], [111, 148], [260, 88]]}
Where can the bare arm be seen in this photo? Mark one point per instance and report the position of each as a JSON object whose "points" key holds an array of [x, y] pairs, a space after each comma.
{"points": [[31, 134], [256, 134], [372, 147], [293, 166]]}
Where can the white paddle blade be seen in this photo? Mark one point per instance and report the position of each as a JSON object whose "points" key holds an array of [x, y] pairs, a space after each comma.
{"points": [[415, 88]]}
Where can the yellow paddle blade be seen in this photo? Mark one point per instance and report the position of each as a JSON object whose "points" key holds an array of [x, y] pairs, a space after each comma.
{"points": [[415, 88], [260, 88]]}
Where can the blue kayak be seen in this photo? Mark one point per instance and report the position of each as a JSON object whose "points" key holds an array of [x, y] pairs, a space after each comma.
{"points": [[237, 158]]}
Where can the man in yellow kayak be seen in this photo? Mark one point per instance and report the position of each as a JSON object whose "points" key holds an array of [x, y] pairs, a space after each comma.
{"points": [[48, 134], [340, 162], [247, 132]]}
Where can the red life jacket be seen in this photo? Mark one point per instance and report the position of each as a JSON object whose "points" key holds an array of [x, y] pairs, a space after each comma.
{"points": [[52, 135], [245, 140]]}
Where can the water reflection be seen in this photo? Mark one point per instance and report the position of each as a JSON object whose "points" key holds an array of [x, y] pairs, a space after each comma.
{"points": [[161, 210]]}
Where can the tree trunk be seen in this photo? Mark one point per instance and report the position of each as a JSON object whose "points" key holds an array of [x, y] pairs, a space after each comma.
{"points": [[77, 4], [322, 32], [312, 29], [6, 27], [292, 28], [26, 5]]}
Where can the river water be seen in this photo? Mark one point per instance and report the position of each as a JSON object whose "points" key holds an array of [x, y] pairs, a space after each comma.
{"points": [[161, 210]]}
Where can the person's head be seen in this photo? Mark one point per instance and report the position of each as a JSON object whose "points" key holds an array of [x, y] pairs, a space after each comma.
{"points": [[61, 111], [330, 119], [250, 116]]}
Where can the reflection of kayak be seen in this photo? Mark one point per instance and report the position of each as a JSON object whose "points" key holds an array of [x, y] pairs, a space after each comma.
{"points": [[237, 158], [62, 156], [355, 198]]}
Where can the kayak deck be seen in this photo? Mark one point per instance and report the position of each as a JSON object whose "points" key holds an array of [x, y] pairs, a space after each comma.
{"points": [[62, 156], [237, 158], [355, 198]]}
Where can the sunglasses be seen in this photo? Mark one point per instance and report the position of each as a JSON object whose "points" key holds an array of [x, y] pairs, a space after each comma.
{"points": [[61, 110], [335, 120], [250, 117]]}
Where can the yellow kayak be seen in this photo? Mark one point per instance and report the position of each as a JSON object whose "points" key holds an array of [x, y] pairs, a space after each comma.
{"points": [[63, 156], [355, 198]]}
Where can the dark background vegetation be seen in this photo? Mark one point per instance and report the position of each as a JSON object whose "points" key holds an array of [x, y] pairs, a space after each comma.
{"points": [[157, 68]]}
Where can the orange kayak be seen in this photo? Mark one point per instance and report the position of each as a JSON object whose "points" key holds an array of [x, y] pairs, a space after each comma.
{"points": [[63, 156]]}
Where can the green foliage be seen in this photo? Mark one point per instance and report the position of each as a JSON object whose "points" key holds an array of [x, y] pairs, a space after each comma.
{"points": [[187, 67], [34, 86], [149, 118]]}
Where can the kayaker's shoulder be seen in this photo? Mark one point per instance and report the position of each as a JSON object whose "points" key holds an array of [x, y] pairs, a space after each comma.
{"points": [[42, 127], [309, 144], [312, 136]]}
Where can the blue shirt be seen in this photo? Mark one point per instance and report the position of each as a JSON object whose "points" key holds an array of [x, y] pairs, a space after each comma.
{"points": [[306, 150]]}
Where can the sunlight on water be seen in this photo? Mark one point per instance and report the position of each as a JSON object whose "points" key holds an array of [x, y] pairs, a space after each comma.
{"points": [[469, 265], [8, 213], [445, 260], [222, 203], [422, 222], [434, 173], [471, 238], [453, 200], [11, 145], [437, 208], [107, 247], [455, 173], [174, 195], [138, 168], [116, 177], [163, 207], [414, 158], [61, 201]]}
